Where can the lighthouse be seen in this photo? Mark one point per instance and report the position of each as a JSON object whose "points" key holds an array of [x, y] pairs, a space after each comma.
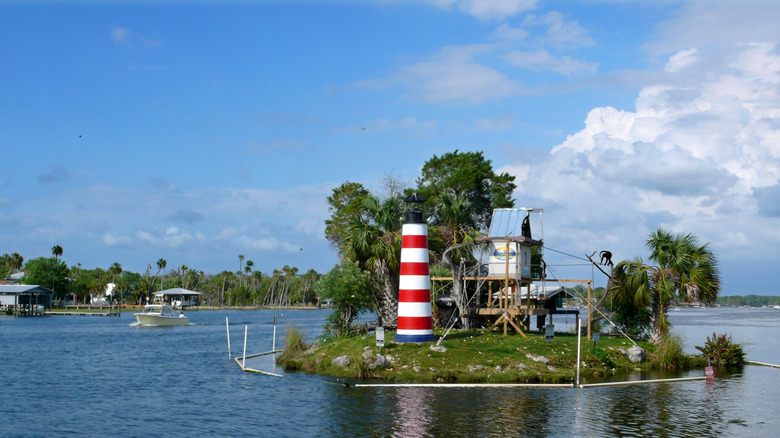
{"points": [[415, 321]]}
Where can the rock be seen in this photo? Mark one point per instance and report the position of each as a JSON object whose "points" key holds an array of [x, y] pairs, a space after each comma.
{"points": [[499, 369], [438, 348], [416, 368], [636, 354], [552, 368], [536, 358], [314, 347], [379, 362], [341, 361], [375, 361], [522, 366]]}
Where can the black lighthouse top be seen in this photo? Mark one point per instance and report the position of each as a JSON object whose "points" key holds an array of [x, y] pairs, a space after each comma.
{"points": [[415, 214]]}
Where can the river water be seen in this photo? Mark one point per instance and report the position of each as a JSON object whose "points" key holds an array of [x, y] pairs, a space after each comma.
{"points": [[98, 376]]}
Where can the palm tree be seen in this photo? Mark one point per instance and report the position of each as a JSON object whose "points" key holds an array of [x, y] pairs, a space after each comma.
{"points": [[684, 270], [375, 244], [115, 270], [56, 251], [161, 264]]}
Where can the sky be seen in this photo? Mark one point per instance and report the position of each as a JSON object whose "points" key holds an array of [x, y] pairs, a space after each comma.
{"points": [[198, 131]]}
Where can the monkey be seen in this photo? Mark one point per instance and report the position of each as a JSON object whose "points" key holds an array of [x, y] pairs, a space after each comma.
{"points": [[606, 256]]}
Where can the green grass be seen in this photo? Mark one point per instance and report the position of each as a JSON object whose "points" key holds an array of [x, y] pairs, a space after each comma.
{"points": [[474, 356]]}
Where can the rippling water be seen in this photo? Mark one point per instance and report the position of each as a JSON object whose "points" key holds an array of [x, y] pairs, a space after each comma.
{"points": [[79, 375]]}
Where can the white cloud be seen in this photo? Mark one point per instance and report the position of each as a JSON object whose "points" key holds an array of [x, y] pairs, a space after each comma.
{"points": [[698, 154], [113, 239], [453, 74], [681, 60], [488, 9], [495, 124], [559, 32], [124, 36], [543, 60], [509, 33]]}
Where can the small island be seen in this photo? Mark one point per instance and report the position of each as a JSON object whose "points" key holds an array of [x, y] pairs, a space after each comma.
{"points": [[481, 357]]}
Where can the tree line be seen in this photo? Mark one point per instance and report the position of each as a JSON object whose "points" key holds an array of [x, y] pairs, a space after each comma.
{"points": [[245, 287]]}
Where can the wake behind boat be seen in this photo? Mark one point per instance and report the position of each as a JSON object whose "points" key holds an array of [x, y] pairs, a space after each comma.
{"points": [[160, 314]]}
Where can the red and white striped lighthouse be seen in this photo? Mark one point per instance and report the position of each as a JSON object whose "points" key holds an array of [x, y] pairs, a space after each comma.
{"points": [[415, 321]]}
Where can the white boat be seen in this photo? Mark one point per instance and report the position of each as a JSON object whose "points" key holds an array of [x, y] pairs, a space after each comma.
{"points": [[160, 314]]}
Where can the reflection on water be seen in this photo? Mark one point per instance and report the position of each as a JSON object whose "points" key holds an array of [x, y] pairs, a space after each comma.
{"points": [[76, 375]]}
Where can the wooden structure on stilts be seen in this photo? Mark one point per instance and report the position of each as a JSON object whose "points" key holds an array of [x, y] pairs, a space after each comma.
{"points": [[516, 287]]}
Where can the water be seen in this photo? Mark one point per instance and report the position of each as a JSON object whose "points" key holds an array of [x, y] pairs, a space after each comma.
{"points": [[96, 376]]}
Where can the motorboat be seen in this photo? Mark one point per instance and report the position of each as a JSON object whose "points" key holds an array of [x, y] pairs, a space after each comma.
{"points": [[160, 314]]}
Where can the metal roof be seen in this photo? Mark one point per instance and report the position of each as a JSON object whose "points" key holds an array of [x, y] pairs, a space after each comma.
{"points": [[508, 221], [177, 291], [11, 289]]}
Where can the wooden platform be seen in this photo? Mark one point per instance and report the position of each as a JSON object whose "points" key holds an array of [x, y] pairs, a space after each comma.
{"points": [[496, 311]]}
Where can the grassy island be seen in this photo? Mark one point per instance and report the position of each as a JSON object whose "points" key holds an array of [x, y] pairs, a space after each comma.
{"points": [[477, 357]]}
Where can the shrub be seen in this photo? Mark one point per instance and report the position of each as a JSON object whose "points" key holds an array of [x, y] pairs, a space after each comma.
{"points": [[722, 350], [294, 347], [669, 353], [350, 289]]}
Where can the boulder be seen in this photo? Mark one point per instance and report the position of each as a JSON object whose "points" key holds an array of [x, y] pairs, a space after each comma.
{"points": [[341, 361], [636, 354], [536, 358], [375, 361]]}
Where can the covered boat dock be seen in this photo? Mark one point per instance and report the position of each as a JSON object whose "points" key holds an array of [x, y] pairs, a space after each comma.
{"points": [[25, 299]]}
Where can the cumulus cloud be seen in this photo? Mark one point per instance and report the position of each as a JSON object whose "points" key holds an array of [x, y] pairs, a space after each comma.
{"points": [[700, 153]]}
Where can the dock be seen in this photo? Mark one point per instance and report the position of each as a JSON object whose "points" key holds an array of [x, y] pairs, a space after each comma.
{"points": [[110, 313]]}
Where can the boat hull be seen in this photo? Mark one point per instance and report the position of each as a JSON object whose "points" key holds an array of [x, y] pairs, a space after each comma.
{"points": [[160, 320]]}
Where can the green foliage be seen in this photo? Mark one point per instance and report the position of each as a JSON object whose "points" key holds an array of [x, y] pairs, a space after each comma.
{"points": [[10, 264], [462, 190], [294, 347], [750, 300], [350, 289], [722, 351], [47, 272], [633, 321], [669, 353], [603, 356], [685, 269], [344, 205]]}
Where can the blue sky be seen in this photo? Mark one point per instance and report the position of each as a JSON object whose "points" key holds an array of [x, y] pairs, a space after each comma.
{"points": [[197, 131]]}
